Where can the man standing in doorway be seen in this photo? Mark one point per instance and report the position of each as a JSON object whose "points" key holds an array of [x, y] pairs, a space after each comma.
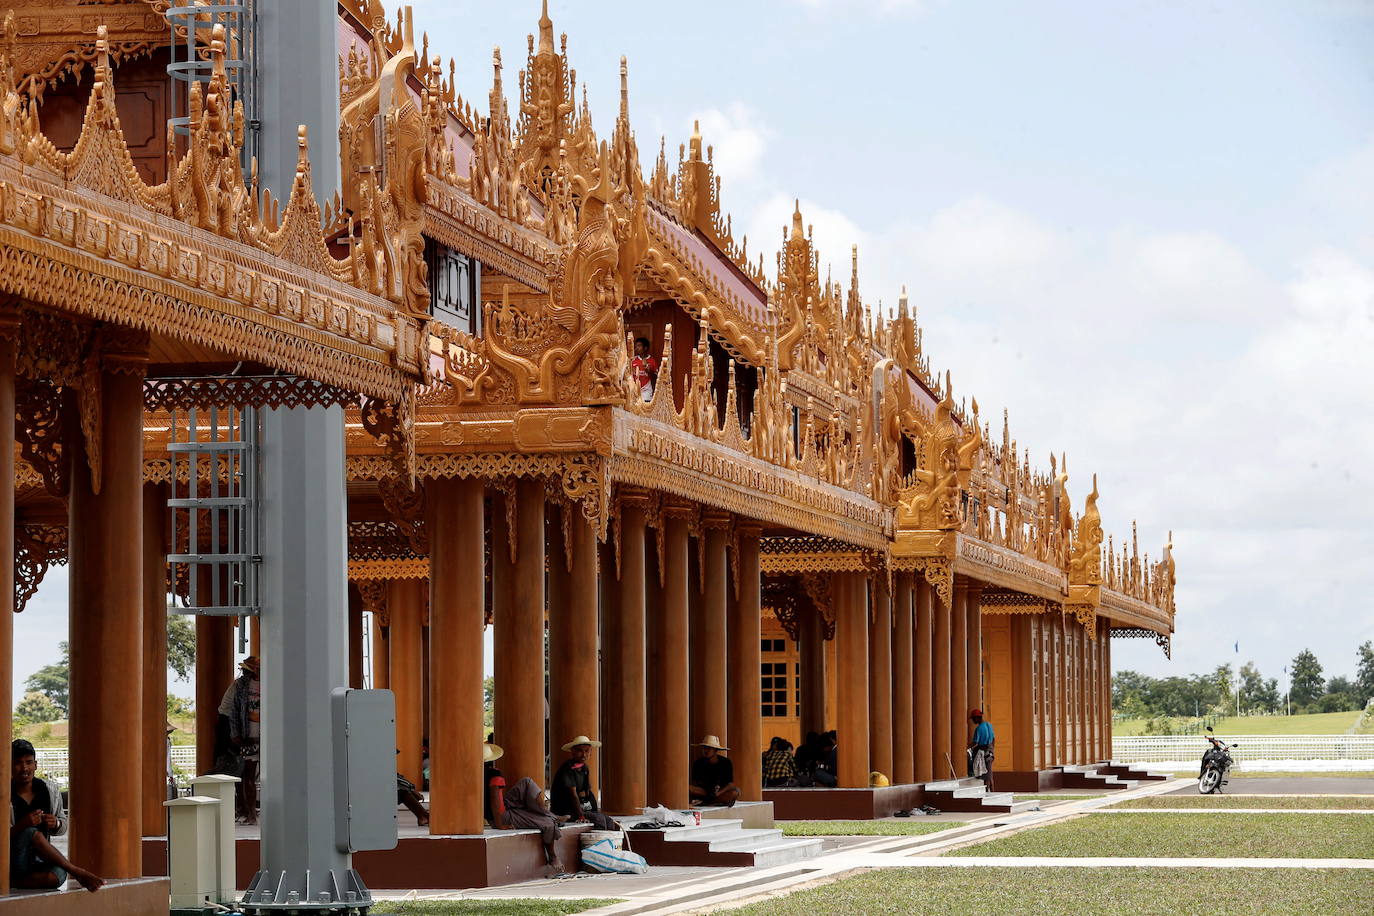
{"points": [[980, 749]]}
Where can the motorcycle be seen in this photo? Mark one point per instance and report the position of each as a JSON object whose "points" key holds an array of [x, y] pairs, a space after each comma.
{"points": [[1216, 763]]}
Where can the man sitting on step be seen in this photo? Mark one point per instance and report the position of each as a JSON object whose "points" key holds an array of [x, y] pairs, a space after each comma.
{"points": [[572, 794], [713, 776]]}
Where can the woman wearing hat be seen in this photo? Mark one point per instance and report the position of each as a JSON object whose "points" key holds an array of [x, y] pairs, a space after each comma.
{"points": [[713, 776], [572, 795]]}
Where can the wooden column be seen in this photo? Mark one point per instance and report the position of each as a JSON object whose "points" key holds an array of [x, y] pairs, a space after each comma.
{"points": [[958, 680], [744, 723], [1107, 695], [708, 657], [574, 694], [403, 603], [626, 768], [922, 664], [811, 662], [903, 697], [1061, 716], [940, 672], [457, 588], [9, 331], [669, 740], [381, 649], [214, 673], [106, 617], [851, 635], [1022, 750], [880, 676], [154, 713], [519, 640], [974, 632], [355, 637]]}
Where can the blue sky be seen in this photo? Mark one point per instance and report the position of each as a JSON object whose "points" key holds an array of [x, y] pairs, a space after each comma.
{"points": [[1145, 229]]}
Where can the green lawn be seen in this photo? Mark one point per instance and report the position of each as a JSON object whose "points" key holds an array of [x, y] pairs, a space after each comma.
{"points": [[1204, 834], [901, 827], [528, 906], [1323, 723], [1249, 801], [1090, 892]]}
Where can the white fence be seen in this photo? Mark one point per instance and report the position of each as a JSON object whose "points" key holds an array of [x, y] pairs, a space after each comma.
{"points": [[52, 763], [1258, 752]]}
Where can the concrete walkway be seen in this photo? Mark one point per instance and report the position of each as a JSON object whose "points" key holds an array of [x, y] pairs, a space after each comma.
{"points": [[704, 890]]}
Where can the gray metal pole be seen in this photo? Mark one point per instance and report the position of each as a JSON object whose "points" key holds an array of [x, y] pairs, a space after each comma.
{"points": [[298, 83], [304, 516]]}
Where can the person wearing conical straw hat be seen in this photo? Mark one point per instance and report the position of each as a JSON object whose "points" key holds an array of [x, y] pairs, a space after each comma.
{"points": [[571, 794], [713, 776], [493, 785]]}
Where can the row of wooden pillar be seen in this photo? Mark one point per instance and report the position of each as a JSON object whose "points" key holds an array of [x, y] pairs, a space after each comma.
{"points": [[909, 670], [647, 641]]}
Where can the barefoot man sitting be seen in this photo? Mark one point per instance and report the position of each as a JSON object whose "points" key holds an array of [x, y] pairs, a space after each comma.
{"points": [[36, 815]]}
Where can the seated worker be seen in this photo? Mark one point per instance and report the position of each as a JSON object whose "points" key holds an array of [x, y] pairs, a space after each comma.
{"points": [[779, 766], [572, 794], [408, 795], [493, 785], [827, 761], [525, 810], [36, 816], [713, 776]]}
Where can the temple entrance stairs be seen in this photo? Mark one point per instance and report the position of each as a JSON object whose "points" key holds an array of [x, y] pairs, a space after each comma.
{"points": [[970, 794], [719, 842], [1094, 776], [1130, 771]]}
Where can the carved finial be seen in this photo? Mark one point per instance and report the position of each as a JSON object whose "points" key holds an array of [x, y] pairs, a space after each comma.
{"points": [[797, 219], [545, 30]]}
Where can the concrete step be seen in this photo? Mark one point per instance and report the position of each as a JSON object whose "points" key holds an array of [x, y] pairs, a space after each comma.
{"points": [[745, 840], [708, 830], [721, 842], [949, 785], [787, 850]]}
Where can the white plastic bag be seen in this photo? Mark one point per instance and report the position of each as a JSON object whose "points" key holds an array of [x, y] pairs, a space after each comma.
{"points": [[604, 857], [659, 814]]}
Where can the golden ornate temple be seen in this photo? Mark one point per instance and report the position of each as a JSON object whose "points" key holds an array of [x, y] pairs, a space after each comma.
{"points": [[773, 520]]}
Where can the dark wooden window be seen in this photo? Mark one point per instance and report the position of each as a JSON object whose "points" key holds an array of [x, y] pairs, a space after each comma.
{"points": [[455, 285]]}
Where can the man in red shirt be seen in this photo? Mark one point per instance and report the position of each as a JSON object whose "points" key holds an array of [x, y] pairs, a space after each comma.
{"points": [[645, 368]]}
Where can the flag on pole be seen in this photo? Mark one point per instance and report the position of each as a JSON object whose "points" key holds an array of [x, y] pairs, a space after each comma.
{"points": [[1238, 648]]}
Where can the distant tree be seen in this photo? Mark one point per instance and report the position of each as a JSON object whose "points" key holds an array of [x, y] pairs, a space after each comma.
{"points": [[180, 706], [1308, 683], [1364, 672], [181, 645], [53, 681], [1339, 696], [488, 703], [36, 707], [1257, 695]]}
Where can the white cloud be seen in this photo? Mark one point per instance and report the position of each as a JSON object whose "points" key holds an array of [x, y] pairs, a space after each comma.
{"points": [[833, 232], [737, 138], [880, 7]]}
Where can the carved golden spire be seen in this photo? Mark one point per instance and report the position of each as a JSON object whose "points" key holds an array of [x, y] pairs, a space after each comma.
{"points": [[546, 105]]}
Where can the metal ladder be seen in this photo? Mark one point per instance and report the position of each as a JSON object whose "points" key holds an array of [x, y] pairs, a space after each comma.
{"points": [[190, 64], [220, 503]]}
